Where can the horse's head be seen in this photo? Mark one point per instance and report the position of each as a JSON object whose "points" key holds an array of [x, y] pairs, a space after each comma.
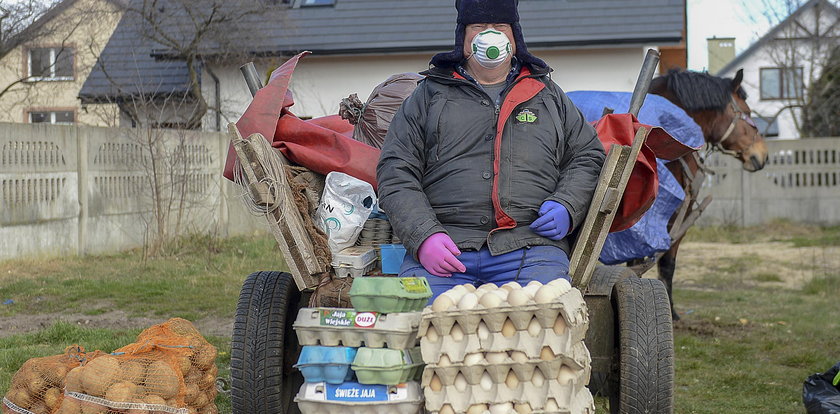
{"points": [[719, 106]]}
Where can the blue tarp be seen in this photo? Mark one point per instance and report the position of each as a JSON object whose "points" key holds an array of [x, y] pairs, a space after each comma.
{"points": [[650, 234]]}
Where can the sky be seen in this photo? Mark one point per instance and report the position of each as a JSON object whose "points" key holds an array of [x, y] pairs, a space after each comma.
{"points": [[745, 20]]}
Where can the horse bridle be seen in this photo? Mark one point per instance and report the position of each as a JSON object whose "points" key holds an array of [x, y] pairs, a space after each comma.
{"points": [[739, 115]]}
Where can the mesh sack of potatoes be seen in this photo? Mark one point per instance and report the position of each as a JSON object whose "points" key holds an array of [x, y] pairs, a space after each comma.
{"points": [[38, 386], [169, 369]]}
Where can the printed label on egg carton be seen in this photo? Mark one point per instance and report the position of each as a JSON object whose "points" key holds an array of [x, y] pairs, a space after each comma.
{"points": [[500, 365], [346, 327], [461, 398], [531, 342], [322, 398], [570, 306]]}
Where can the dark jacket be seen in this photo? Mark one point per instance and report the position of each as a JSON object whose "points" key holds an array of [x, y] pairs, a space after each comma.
{"points": [[455, 162]]}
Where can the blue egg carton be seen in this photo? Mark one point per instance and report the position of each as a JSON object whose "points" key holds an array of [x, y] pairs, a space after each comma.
{"points": [[330, 364]]}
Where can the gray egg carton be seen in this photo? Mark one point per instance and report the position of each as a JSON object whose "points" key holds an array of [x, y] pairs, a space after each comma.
{"points": [[570, 306], [576, 363], [394, 330], [402, 399]]}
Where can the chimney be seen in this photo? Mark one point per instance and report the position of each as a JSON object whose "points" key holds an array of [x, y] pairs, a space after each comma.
{"points": [[721, 52]]}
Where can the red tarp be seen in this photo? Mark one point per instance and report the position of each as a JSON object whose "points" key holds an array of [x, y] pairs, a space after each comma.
{"points": [[326, 144]]}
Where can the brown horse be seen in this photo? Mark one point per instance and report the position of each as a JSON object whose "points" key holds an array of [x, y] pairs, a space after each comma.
{"points": [[718, 105]]}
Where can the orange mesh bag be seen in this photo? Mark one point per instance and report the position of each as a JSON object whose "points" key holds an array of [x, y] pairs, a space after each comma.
{"points": [[38, 386], [165, 371]]}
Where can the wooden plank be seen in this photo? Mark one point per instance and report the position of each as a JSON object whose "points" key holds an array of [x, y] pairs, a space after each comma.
{"points": [[613, 181], [284, 222]]}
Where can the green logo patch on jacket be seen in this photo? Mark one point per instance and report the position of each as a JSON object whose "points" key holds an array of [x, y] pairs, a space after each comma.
{"points": [[527, 116]]}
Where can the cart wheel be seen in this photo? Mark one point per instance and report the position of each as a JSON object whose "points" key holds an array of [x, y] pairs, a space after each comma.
{"points": [[645, 351], [264, 347]]}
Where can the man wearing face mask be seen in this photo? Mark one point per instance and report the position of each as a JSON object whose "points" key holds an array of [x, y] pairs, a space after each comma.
{"points": [[488, 166]]}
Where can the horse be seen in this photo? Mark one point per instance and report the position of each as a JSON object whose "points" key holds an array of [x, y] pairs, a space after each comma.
{"points": [[718, 105]]}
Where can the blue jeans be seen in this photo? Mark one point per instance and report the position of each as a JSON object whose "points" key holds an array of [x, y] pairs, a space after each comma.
{"points": [[540, 263]]}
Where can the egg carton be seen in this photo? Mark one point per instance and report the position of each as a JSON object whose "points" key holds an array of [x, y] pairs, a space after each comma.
{"points": [[524, 341], [460, 399], [387, 366], [571, 366], [354, 261], [350, 397], [326, 363], [390, 294], [347, 327], [583, 403], [570, 306]]}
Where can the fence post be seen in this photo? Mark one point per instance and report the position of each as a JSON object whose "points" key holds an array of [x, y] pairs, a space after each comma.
{"points": [[83, 184]]}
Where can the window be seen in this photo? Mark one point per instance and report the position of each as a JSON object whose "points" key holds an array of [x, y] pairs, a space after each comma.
{"points": [[305, 3], [51, 117], [51, 63], [769, 127], [781, 83]]}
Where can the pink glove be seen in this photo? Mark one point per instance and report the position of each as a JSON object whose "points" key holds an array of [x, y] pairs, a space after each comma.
{"points": [[437, 255]]}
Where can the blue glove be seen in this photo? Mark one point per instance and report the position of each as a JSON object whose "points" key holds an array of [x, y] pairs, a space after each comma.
{"points": [[554, 221]]}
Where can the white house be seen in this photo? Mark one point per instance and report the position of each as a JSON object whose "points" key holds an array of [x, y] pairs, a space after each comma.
{"points": [[779, 66], [357, 44]]}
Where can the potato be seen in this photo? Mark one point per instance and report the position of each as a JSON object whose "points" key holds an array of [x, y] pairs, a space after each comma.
{"points": [[39, 407], [161, 378], [185, 365], [208, 381], [121, 392], [100, 374], [201, 400], [190, 393], [91, 408], [154, 399], [205, 357], [73, 380], [194, 377], [69, 406], [21, 398], [208, 409], [34, 383], [133, 371], [52, 398], [54, 374]]}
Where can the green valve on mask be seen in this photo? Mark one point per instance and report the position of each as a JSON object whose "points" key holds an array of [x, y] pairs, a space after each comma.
{"points": [[493, 52]]}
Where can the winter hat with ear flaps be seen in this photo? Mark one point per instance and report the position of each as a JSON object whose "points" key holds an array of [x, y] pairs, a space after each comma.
{"points": [[487, 11]]}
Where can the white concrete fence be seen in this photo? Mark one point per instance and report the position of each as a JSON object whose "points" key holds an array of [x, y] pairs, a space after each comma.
{"points": [[77, 190]]}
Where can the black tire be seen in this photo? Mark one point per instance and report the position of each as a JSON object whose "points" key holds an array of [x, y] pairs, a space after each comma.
{"points": [[645, 351], [264, 346]]}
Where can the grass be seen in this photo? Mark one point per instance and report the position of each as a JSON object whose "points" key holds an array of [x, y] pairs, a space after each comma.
{"points": [[739, 348], [800, 235]]}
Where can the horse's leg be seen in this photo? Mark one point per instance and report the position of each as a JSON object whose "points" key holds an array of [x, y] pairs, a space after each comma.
{"points": [[667, 264]]}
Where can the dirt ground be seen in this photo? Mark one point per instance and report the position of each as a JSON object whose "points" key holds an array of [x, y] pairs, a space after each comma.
{"points": [[700, 265]]}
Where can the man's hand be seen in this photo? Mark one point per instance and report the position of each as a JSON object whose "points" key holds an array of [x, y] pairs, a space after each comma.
{"points": [[554, 221], [437, 255]]}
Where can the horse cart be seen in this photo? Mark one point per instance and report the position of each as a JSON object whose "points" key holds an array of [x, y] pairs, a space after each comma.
{"points": [[629, 338]]}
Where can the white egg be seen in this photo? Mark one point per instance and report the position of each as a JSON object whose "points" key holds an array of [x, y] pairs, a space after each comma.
{"points": [[457, 333], [538, 379], [490, 300], [518, 297], [477, 409], [521, 408], [500, 292], [447, 409], [519, 357], [563, 284], [456, 293], [508, 329], [551, 405], [534, 283], [488, 286], [546, 354], [473, 358], [435, 384], [534, 328], [504, 408], [460, 382], [442, 303], [509, 286], [495, 357], [432, 334], [486, 382], [566, 375], [511, 380], [483, 331], [531, 290], [468, 301], [444, 361], [469, 286], [546, 294]]}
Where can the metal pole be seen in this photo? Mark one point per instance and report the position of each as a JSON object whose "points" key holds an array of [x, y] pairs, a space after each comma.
{"points": [[252, 78], [643, 83]]}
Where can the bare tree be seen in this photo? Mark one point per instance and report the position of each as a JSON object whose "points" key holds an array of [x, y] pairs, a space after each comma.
{"points": [[802, 50]]}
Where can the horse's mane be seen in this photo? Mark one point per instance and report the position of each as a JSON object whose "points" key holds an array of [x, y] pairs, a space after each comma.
{"points": [[699, 91]]}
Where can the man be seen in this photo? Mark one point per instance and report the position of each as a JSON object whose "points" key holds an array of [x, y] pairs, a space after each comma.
{"points": [[488, 166]]}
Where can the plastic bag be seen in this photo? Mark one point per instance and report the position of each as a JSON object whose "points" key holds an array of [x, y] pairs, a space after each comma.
{"points": [[381, 106], [169, 369], [821, 393], [345, 205]]}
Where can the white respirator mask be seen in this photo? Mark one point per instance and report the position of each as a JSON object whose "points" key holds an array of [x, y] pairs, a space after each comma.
{"points": [[491, 48]]}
